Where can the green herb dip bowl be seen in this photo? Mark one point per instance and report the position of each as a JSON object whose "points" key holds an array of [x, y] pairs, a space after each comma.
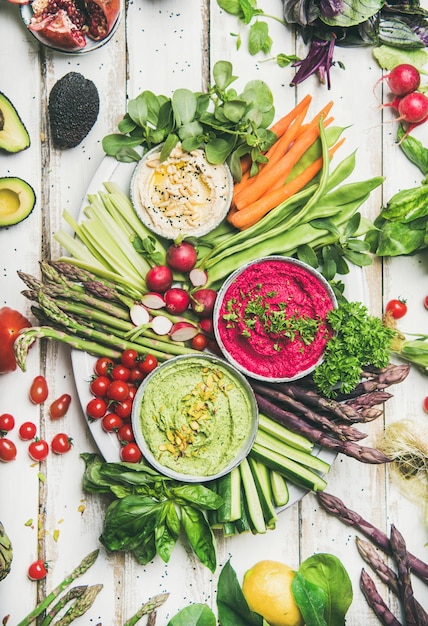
{"points": [[195, 418]]}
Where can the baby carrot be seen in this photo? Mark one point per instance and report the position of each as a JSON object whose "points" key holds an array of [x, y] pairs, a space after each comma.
{"points": [[251, 214]]}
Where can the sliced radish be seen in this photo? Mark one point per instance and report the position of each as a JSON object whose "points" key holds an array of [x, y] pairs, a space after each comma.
{"points": [[198, 277], [139, 315], [161, 325], [153, 300], [183, 331]]}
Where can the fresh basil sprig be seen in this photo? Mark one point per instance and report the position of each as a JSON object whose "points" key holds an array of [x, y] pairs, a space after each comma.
{"points": [[226, 123]]}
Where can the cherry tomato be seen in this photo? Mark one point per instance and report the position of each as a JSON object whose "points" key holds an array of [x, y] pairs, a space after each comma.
{"points": [[426, 302], [397, 308], [103, 366], [123, 409], [132, 390], [7, 422], [61, 443], [38, 449], [130, 453], [129, 358], [96, 408], [111, 422], [7, 450], [120, 372], [99, 386], [117, 391], [59, 407], [37, 570], [125, 434], [199, 342], [11, 322], [137, 375], [425, 404], [39, 390], [27, 431], [149, 364]]}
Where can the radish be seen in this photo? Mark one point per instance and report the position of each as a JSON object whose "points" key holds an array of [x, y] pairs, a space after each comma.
{"points": [[206, 324], [139, 315], [181, 257], [161, 325], [159, 278], [413, 108], [153, 300], [177, 300], [202, 302], [402, 79], [183, 331], [198, 277]]}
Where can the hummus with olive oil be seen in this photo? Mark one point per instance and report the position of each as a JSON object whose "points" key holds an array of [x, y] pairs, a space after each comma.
{"points": [[183, 195], [195, 416]]}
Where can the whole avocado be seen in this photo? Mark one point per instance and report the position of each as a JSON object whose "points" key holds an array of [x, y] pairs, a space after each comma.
{"points": [[74, 105]]}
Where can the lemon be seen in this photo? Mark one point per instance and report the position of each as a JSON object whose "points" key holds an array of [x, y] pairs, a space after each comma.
{"points": [[267, 589]]}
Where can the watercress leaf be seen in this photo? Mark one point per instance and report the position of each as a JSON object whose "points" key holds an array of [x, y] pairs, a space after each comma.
{"points": [[414, 150], [197, 494], [165, 116], [218, 150], [325, 225], [230, 6], [259, 39], [352, 226], [222, 74], [184, 104], [191, 129], [192, 143], [329, 268], [170, 142], [199, 535], [310, 599], [360, 259], [341, 265], [126, 124], [112, 144], [234, 110], [258, 93], [283, 60], [306, 254], [327, 572], [232, 607], [358, 245], [194, 615]]}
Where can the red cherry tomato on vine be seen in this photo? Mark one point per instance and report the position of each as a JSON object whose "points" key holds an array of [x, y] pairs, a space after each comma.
{"points": [[199, 342], [397, 308], [103, 366], [59, 407], [137, 375], [425, 404], [120, 372], [149, 364], [117, 391], [11, 322], [37, 570], [125, 434], [129, 358], [39, 390], [123, 409], [426, 302], [61, 443], [27, 431], [99, 386], [38, 449], [7, 422], [96, 408], [111, 422], [7, 450], [130, 453]]}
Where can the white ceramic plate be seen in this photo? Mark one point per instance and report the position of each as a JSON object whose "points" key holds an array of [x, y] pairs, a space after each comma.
{"points": [[27, 14], [111, 170]]}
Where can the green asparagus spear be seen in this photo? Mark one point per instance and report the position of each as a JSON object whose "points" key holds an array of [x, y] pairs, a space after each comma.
{"points": [[80, 606], [147, 608]]}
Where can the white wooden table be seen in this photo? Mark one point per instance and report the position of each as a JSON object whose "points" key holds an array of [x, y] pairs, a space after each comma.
{"points": [[162, 45]]}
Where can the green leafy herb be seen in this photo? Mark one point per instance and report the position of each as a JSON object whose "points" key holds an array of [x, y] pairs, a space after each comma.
{"points": [[194, 615], [232, 606], [227, 124], [359, 340]]}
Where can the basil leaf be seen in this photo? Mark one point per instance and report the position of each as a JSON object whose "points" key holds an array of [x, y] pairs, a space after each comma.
{"points": [[194, 615], [353, 12], [310, 599], [129, 521], [232, 607], [199, 535], [146, 550], [395, 32], [327, 572], [199, 495]]}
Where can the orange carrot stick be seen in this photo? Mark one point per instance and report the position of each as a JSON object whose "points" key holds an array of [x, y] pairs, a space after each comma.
{"points": [[281, 169], [251, 214], [281, 146]]}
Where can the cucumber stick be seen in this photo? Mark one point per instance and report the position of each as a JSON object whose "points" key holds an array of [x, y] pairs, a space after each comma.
{"points": [[262, 481], [304, 458], [254, 508], [280, 493], [282, 433], [229, 488], [294, 471]]}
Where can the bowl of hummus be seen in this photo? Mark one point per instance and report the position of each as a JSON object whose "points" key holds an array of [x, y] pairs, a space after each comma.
{"points": [[181, 196], [195, 418], [270, 318]]}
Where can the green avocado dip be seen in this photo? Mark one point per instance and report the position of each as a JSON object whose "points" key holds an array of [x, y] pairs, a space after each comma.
{"points": [[195, 415]]}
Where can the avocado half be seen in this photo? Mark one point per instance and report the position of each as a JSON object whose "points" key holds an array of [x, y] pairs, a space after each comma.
{"points": [[14, 136], [17, 200]]}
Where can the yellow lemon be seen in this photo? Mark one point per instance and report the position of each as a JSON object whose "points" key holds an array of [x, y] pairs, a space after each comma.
{"points": [[267, 589]]}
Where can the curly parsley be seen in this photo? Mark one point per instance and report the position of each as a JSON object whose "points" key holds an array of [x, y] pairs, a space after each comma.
{"points": [[359, 340]]}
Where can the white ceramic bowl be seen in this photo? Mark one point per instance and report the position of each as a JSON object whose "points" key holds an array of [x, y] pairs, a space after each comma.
{"points": [[185, 383], [190, 215], [267, 285]]}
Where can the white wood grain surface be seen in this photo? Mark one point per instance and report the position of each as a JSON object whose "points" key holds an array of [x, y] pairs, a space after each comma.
{"points": [[162, 45]]}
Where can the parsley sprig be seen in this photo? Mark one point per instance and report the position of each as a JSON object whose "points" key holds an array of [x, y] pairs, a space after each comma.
{"points": [[359, 340]]}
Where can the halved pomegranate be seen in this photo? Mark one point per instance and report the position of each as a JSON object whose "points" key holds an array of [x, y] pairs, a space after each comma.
{"points": [[58, 30], [102, 15]]}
